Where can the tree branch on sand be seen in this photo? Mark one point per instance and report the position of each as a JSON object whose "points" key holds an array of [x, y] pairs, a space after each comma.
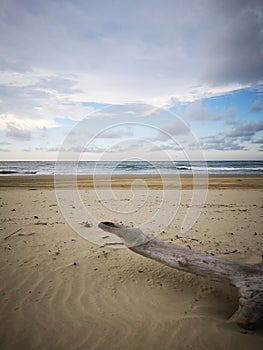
{"points": [[247, 278]]}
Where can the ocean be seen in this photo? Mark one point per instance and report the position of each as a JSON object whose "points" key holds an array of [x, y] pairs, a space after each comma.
{"points": [[129, 167]]}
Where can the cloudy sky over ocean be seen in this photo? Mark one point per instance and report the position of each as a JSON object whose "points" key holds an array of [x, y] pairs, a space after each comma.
{"points": [[62, 61]]}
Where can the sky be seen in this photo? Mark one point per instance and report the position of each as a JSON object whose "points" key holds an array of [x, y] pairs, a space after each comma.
{"points": [[124, 79]]}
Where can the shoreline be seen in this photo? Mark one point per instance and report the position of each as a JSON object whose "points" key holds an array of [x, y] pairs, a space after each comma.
{"points": [[214, 181]]}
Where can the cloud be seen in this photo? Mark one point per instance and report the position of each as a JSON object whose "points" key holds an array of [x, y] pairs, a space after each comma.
{"points": [[235, 140], [58, 84], [116, 52], [21, 128], [77, 149], [256, 106], [175, 128], [41, 96], [196, 111], [116, 133], [165, 147], [4, 150], [55, 149], [17, 133], [94, 149], [259, 141], [231, 120], [59, 64], [231, 112], [129, 146], [235, 43], [220, 143], [246, 130]]}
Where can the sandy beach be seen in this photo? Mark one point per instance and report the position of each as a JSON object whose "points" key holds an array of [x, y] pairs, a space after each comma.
{"points": [[60, 291]]}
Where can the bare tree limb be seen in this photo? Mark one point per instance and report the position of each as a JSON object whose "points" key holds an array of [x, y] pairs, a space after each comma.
{"points": [[247, 278]]}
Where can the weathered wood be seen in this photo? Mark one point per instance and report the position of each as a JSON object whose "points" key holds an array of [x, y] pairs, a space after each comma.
{"points": [[247, 278]]}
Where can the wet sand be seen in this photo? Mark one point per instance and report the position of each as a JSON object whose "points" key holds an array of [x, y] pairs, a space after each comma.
{"points": [[125, 181]]}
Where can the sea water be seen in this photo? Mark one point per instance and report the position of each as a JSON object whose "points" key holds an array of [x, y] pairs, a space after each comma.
{"points": [[129, 167]]}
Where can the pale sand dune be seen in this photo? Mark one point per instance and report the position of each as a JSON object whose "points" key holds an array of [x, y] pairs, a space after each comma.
{"points": [[112, 298]]}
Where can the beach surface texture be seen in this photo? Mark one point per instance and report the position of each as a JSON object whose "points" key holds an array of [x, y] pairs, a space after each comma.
{"points": [[62, 291]]}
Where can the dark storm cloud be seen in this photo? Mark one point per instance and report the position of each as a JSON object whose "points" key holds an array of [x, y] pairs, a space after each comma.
{"points": [[149, 47], [235, 44]]}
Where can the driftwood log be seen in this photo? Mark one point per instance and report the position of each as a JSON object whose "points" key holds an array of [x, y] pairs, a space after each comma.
{"points": [[247, 278]]}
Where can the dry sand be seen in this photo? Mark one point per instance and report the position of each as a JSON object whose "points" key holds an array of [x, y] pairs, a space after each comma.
{"points": [[59, 291]]}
